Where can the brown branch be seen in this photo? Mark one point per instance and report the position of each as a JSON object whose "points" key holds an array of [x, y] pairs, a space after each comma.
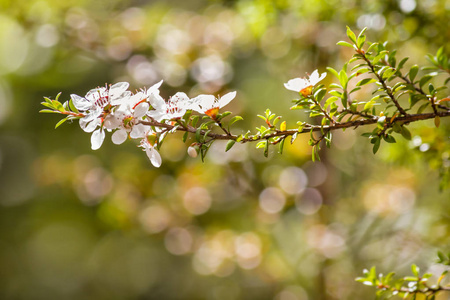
{"points": [[307, 128]]}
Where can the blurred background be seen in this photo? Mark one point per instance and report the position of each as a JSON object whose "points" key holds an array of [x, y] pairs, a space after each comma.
{"points": [[106, 224]]}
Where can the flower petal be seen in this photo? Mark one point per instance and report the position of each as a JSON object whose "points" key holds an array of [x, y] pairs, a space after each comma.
{"points": [[139, 131], [119, 136], [154, 88], [89, 125], [95, 94], [296, 84], [202, 103], [120, 98], [156, 101], [154, 157], [118, 89], [141, 110], [80, 102], [97, 139], [226, 99], [111, 122]]}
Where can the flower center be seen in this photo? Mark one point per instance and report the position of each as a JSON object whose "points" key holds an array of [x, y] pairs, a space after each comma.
{"points": [[128, 122], [102, 100], [306, 91], [212, 112]]}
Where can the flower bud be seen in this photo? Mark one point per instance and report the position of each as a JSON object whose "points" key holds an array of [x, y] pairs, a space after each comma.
{"points": [[193, 150]]}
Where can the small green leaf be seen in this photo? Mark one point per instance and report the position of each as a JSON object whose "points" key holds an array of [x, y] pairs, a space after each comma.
{"points": [[333, 71], [198, 135], [185, 136], [413, 72], [343, 78], [60, 122], [389, 138], [346, 44], [406, 133], [49, 111], [194, 120], [266, 149], [229, 145], [351, 35], [281, 145], [366, 81], [415, 270], [376, 145]]}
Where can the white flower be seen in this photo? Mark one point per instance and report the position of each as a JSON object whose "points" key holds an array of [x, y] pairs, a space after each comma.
{"points": [[174, 108], [126, 118], [147, 143], [210, 105], [304, 85], [96, 105]]}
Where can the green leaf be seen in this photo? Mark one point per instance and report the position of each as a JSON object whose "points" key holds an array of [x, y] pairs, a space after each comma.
{"points": [[198, 135], [320, 94], [49, 111], [333, 71], [281, 145], [413, 72], [234, 120], [194, 120], [376, 145], [425, 79], [366, 81], [185, 136], [72, 106], [422, 107], [60, 122], [351, 35], [343, 78], [266, 149], [361, 39], [389, 138], [229, 145], [406, 133], [58, 106], [346, 44], [415, 270]]}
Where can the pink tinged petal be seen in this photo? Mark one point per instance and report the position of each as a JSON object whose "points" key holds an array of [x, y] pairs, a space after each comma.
{"points": [[141, 110], [226, 99], [139, 131], [154, 156], [97, 139], [119, 136], [80, 102]]}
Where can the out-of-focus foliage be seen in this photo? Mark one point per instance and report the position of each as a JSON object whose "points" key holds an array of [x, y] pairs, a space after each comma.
{"points": [[107, 225]]}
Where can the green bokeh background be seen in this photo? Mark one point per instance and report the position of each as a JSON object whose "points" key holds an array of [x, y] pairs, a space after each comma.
{"points": [[105, 224]]}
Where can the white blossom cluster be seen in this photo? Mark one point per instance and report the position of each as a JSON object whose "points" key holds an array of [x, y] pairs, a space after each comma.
{"points": [[118, 110]]}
